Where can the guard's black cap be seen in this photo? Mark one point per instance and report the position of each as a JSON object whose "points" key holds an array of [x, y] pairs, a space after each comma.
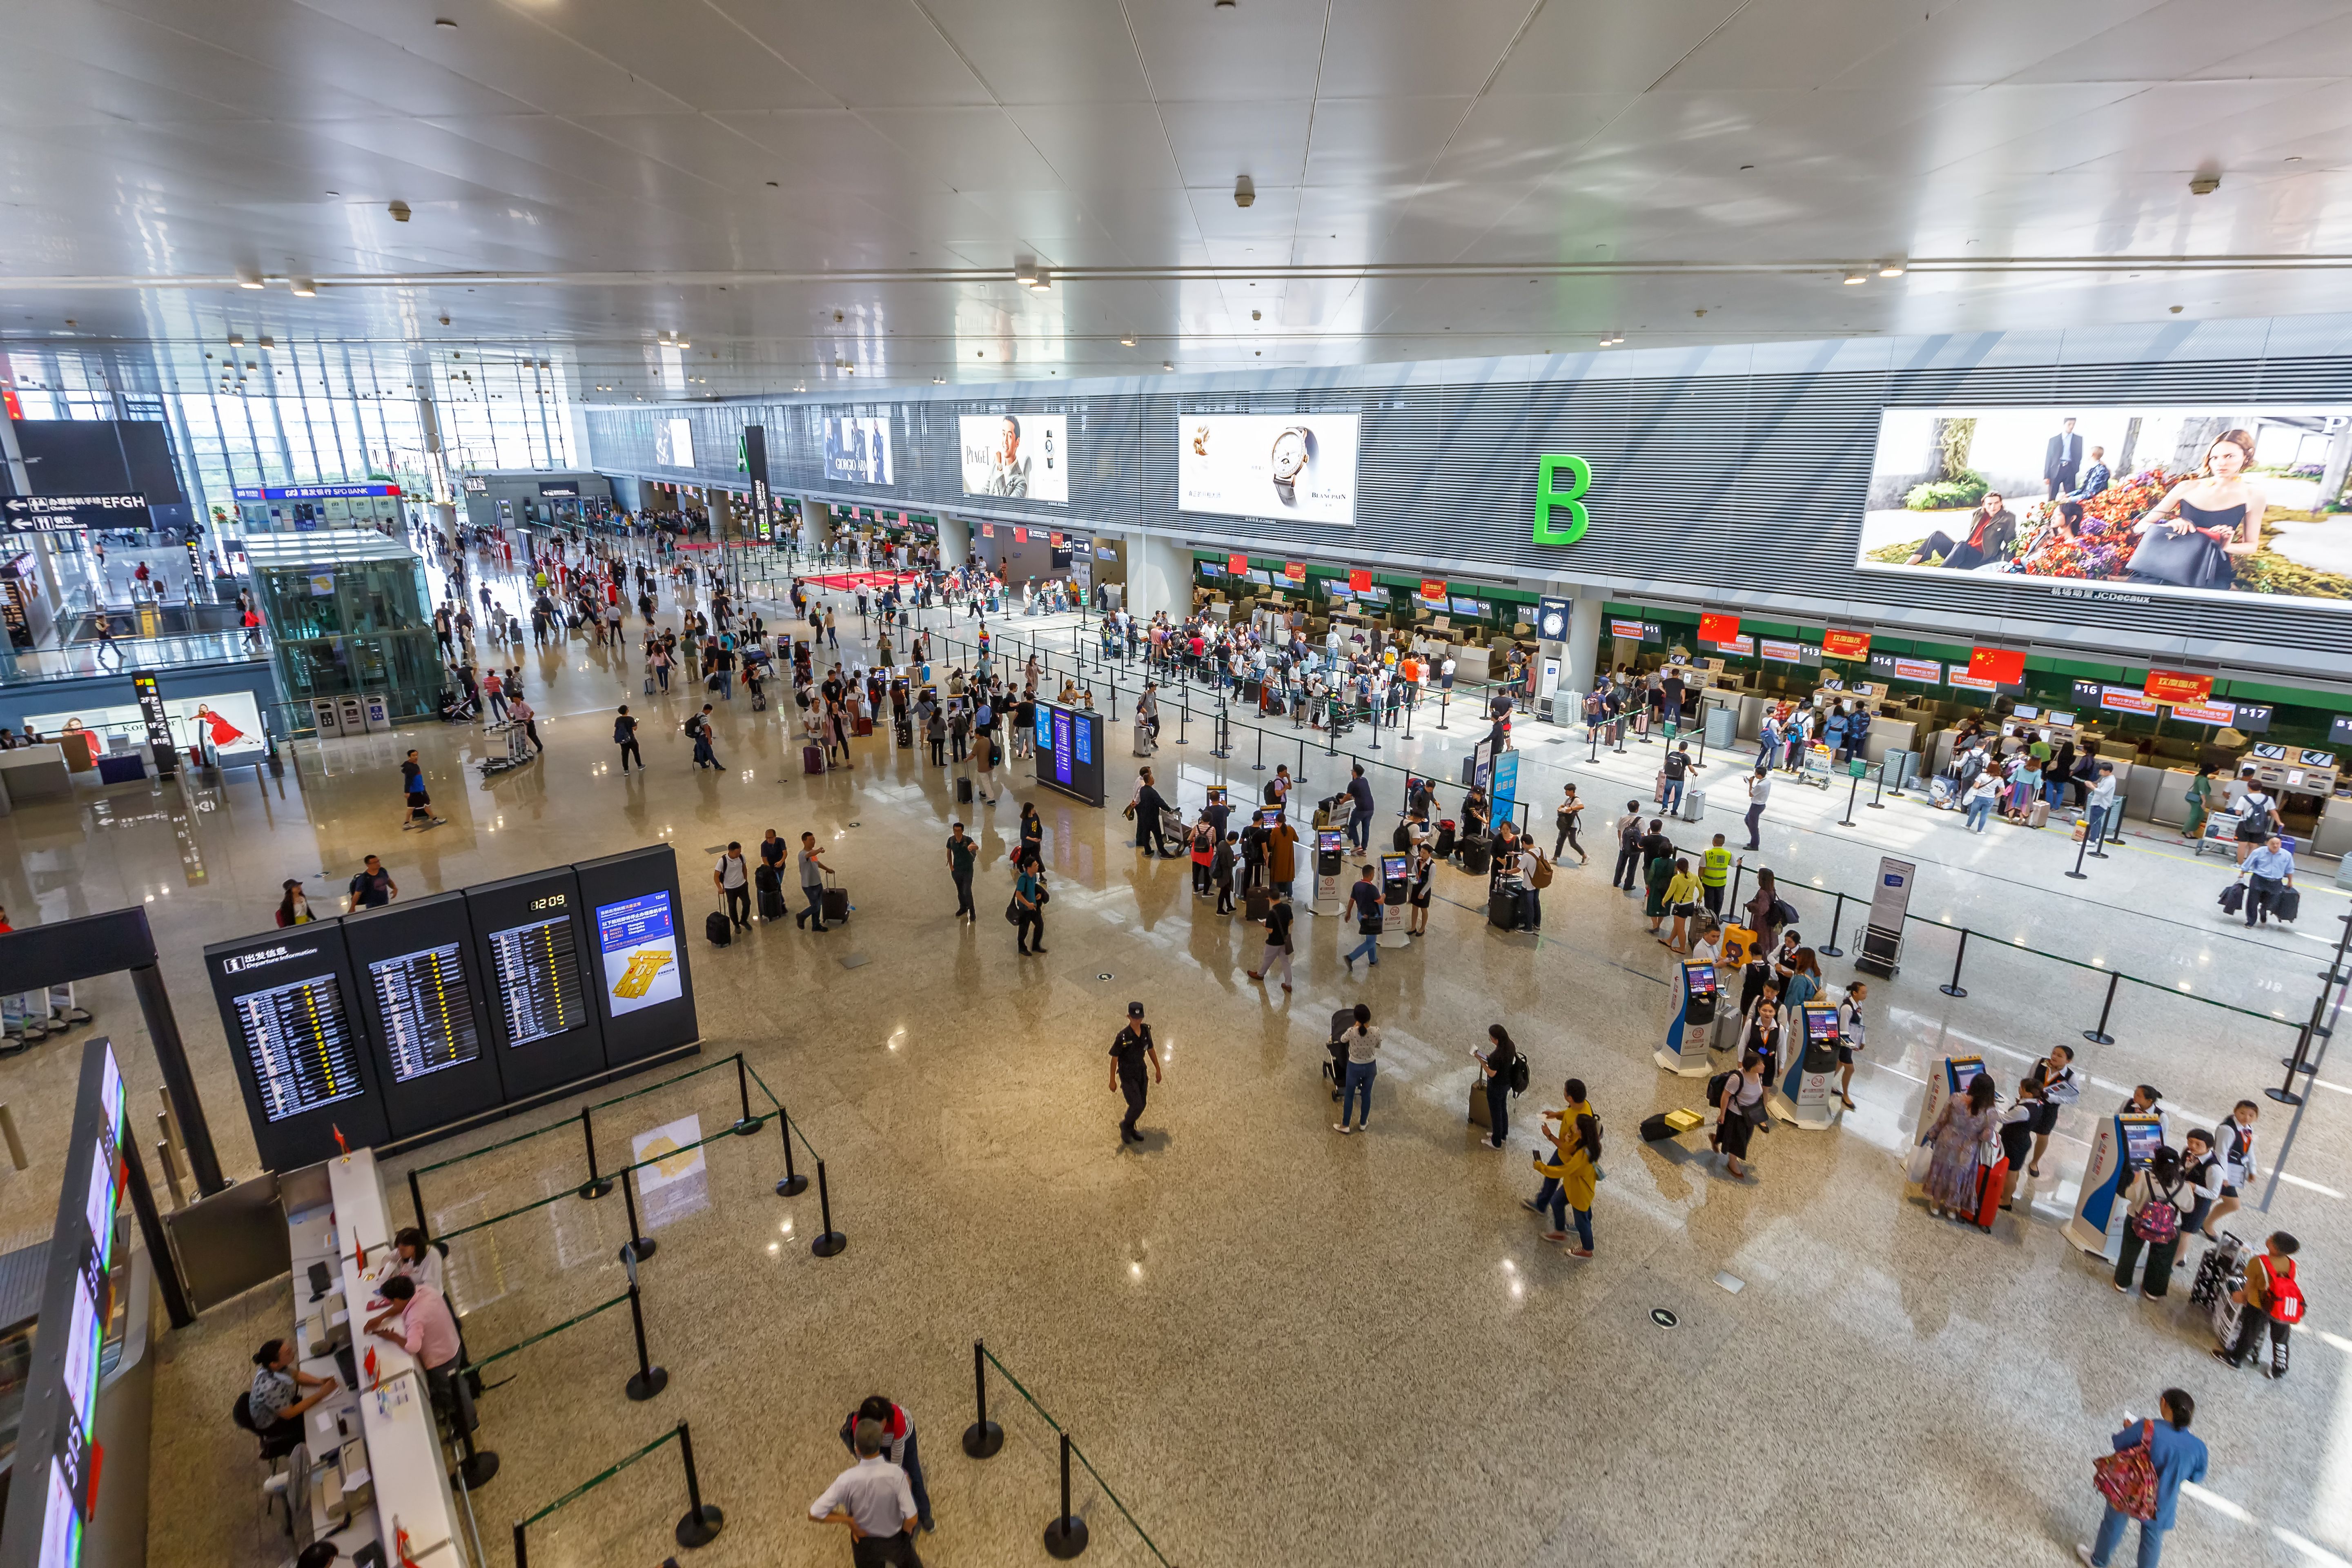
{"points": [[1135, 1009]]}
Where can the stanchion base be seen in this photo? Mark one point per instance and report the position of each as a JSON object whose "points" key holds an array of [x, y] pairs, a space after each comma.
{"points": [[2097, 1038], [747, 1126], [2077, 877], [640, 1249], [644, 1385], [792, 1186], [2099, 855], [476, 1469], [1953, 990], [1828, 951], [1065, 1538], [830, 1243], [602, 1187], [702, 1527], [981, 1439], [2296, 1065], [1868, 805], [2284, 1097]]}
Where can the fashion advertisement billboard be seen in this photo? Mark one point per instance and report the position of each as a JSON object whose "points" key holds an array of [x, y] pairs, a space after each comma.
{"points": [[1299, 466], [2200, 500], [858, 449], [1019, 455]]}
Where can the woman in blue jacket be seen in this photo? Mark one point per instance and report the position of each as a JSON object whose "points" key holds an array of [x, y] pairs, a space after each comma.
{"points": [[2176, 1456]]}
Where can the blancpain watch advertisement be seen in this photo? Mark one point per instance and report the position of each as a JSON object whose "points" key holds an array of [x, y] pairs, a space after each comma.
{"points": [[1023, 455], [1268, 465]]}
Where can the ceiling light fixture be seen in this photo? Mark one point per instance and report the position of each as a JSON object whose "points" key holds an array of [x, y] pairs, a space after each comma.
{"points": [[246, 278], [1126, 342], [236, 340], [2205, 183], [304, 289], [1857, 277], [1893, 267], [268, 341], [1042, 283], [1245, 191], [1167, 364], [399, 211], [445, 22], [1024, 271]]}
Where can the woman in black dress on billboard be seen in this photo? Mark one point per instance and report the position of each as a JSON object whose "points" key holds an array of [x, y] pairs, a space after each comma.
{"points": [[2195, 537]]}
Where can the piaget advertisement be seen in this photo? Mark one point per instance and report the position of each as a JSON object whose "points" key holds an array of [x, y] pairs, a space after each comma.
{"points": [[2194, 501], [1019, 455], [1268, 465]]}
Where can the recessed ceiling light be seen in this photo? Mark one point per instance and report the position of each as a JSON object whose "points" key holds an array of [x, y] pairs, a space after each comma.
{"points": [[1167, 364], [2296, 158], [1893, 266], [1857, 277], [304, 289], [1126, 342], [246, 278]]}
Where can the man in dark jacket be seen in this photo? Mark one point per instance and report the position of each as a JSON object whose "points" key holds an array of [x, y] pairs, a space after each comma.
{"points": [[1992, 530], [1148, 807], [1359, 820]]}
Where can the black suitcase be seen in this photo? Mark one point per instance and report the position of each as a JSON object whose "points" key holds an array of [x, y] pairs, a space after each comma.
{"points": [[1443, 848], [1503, 909], [836, 905], [2286, 904], [1477, 853], [963, 792], [770, 892], [906, 736], [1654, 1129], [718, 927]]}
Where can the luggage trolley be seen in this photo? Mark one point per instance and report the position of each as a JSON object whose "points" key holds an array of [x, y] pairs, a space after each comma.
{"points": [[1813, 767]]}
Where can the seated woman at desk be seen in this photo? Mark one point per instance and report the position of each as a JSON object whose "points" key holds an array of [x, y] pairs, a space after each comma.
{"points": [[277, 1386]]}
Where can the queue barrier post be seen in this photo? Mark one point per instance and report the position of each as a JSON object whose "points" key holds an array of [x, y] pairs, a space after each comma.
{"points": [[639, 1247], [1442, 697], [2285, 1094], [1065, 1537], [984, 1438], [1876, 789], [1830, 949], [1258, 766], [596, 1186], [794, 1184], [829, 1242], [1184, 698], [746, 1125], [2081, 844], [2097, 1035], [1955, 988], [703, 1521], [1851, 790], [649, 1379]]}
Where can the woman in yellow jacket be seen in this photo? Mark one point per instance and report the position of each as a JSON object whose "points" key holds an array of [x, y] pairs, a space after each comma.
{"points": [[1682, 903], [1570, 1180]]}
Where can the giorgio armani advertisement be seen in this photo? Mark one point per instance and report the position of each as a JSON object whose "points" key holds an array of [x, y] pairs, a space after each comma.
{"points": [[858, 449], [1298, 465], [1025, 456], [2194, 501]]}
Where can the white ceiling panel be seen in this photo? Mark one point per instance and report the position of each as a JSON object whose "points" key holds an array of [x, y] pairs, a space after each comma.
{"points": [[1217, 143], [869, 54], [1097, 145], [1047, 51], [693, 53], [963, 147], [1379, 142], [1263, 51], [1600, 46], [2157, 44]]}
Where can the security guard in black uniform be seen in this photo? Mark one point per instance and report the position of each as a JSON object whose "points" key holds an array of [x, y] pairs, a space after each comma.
{"points": [[1128, 1052]]}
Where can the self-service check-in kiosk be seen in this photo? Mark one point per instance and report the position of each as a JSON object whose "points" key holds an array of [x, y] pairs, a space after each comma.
{"points": [[1330, 866], [1807, 1093], [1396, 883], [1691, 1030], [1946, 1079], [2124, 1143]]}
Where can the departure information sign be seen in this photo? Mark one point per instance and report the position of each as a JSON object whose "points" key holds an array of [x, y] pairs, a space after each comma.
{"points": [[640, 953], [300, 1045], [539, 979], [1069, 750], [428, 1013]]}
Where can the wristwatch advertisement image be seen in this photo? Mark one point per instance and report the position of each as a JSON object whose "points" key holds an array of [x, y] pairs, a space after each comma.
{"points": [[1293, 450]]}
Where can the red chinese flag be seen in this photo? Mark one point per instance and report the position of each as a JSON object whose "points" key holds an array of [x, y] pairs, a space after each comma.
{"points": [[2003, 666], [1719, 628], [1360, 582], [1020, 536], [1237, 564]]}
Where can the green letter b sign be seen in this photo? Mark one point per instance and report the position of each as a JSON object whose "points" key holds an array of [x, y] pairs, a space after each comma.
{"points": [[1552, 496]]}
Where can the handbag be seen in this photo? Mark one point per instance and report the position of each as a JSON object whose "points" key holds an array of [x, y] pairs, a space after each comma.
{"points": [[2128, 1479], [2189, 560], [1921, 1158]]}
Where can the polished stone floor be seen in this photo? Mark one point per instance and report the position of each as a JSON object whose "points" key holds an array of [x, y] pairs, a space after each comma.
{"points": [[1274, 1343]]}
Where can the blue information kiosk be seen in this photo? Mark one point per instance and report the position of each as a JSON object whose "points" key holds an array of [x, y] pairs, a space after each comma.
{"points": [[1690, 1032], [1806, 1095], [2124, 1144]]}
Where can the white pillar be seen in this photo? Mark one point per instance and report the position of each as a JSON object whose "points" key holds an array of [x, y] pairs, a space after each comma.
{"points": [[1159, 576], [1586, 617], [816, 523], [955, 541]]}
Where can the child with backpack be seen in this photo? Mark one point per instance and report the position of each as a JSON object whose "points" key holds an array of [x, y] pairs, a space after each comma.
{"points": [[2156, 1196], [2272, 1300]]}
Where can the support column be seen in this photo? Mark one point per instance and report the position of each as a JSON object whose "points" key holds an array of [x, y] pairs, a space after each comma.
{"points": [[1586, 617], [1159, 576], [816, 523], [955, 541]]}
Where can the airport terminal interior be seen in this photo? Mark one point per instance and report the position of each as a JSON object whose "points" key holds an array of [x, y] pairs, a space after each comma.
{"points": [[1221, 782]]}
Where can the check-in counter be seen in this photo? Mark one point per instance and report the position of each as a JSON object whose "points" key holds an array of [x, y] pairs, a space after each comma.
{"points": [[2334, 835], [2168, 795], [2143, 789], [28, 774], [1885, 734]]}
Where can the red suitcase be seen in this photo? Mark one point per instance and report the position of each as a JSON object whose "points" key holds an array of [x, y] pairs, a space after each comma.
{"points": [[811, 759], [1990, 1180]]}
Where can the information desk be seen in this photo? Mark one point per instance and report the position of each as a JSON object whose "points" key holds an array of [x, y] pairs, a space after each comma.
{"points": [[375, 1458], [28, 774]]}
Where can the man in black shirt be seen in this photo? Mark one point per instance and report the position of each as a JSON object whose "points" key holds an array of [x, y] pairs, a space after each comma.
{"points": [[373, 888], [1128, 1052], [1278, 916], [961, 851], [1677, 770], [1364, 898], [625, 735]]}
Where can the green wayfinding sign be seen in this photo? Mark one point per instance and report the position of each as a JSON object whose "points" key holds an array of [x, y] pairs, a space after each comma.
{"points": [[1560, 484]]}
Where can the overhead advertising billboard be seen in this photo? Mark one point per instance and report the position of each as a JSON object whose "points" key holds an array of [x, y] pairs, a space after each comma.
{"points": [[1025, 456], [858, 449], [674, 443], [2199, 501], [1299, 466]]}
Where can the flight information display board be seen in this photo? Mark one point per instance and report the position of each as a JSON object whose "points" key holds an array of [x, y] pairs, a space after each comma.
{"points": [[1070, 750], [428, 1016], [288, 1006], [299, 1045], [423, 1007], [531, 934], [645, 987]]}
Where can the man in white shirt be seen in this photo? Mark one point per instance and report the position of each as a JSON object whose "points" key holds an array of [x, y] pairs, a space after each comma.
{"points": [[2102, 806], [732, 877], [873, 1500]]}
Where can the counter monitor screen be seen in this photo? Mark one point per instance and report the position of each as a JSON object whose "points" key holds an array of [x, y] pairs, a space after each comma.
{"points": [[538, 980], [640, 950], [2142, 1134], [1216, 794], [2270, 750], [1821, 1025], [2064, 721], [428, 1013], [1328, 840], [1699, 976], [2022, 711], [300, 1046]]}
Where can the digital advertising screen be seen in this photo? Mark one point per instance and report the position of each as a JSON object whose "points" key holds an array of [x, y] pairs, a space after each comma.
{"points": [[1022, 456], [1069, 750], [857, 448], [1396, 868], [638, 942], [1300, 466], [229, 722], [2142, 1137], [1821, 1027], [2194, 499], [1329, 840], [1699, 977]]}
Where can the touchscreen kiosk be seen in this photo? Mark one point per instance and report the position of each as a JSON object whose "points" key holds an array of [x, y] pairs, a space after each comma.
{"points": [[1330, 882], [2123, 1145], [1396, 878], [638, 958], [532, 943], [1269, 816], [1217, 794], [1690, 1021], [286, 1006], [421, 999], [1806, 1096]]}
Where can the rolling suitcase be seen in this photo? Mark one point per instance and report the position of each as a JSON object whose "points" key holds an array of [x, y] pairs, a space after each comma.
{"points": [[1693, 806], [811, 759], [1477, 853], [1257, 903], [770, 892], [1504, 908], [649, 686], [1143, 747], [718, 927], [861, 726], [1655, 1129], [1658, 796], [1335, 1070], [836, 904], [906, 735], [2286, 903], [963, 792], [1443, 848], [1481, 1114]]}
